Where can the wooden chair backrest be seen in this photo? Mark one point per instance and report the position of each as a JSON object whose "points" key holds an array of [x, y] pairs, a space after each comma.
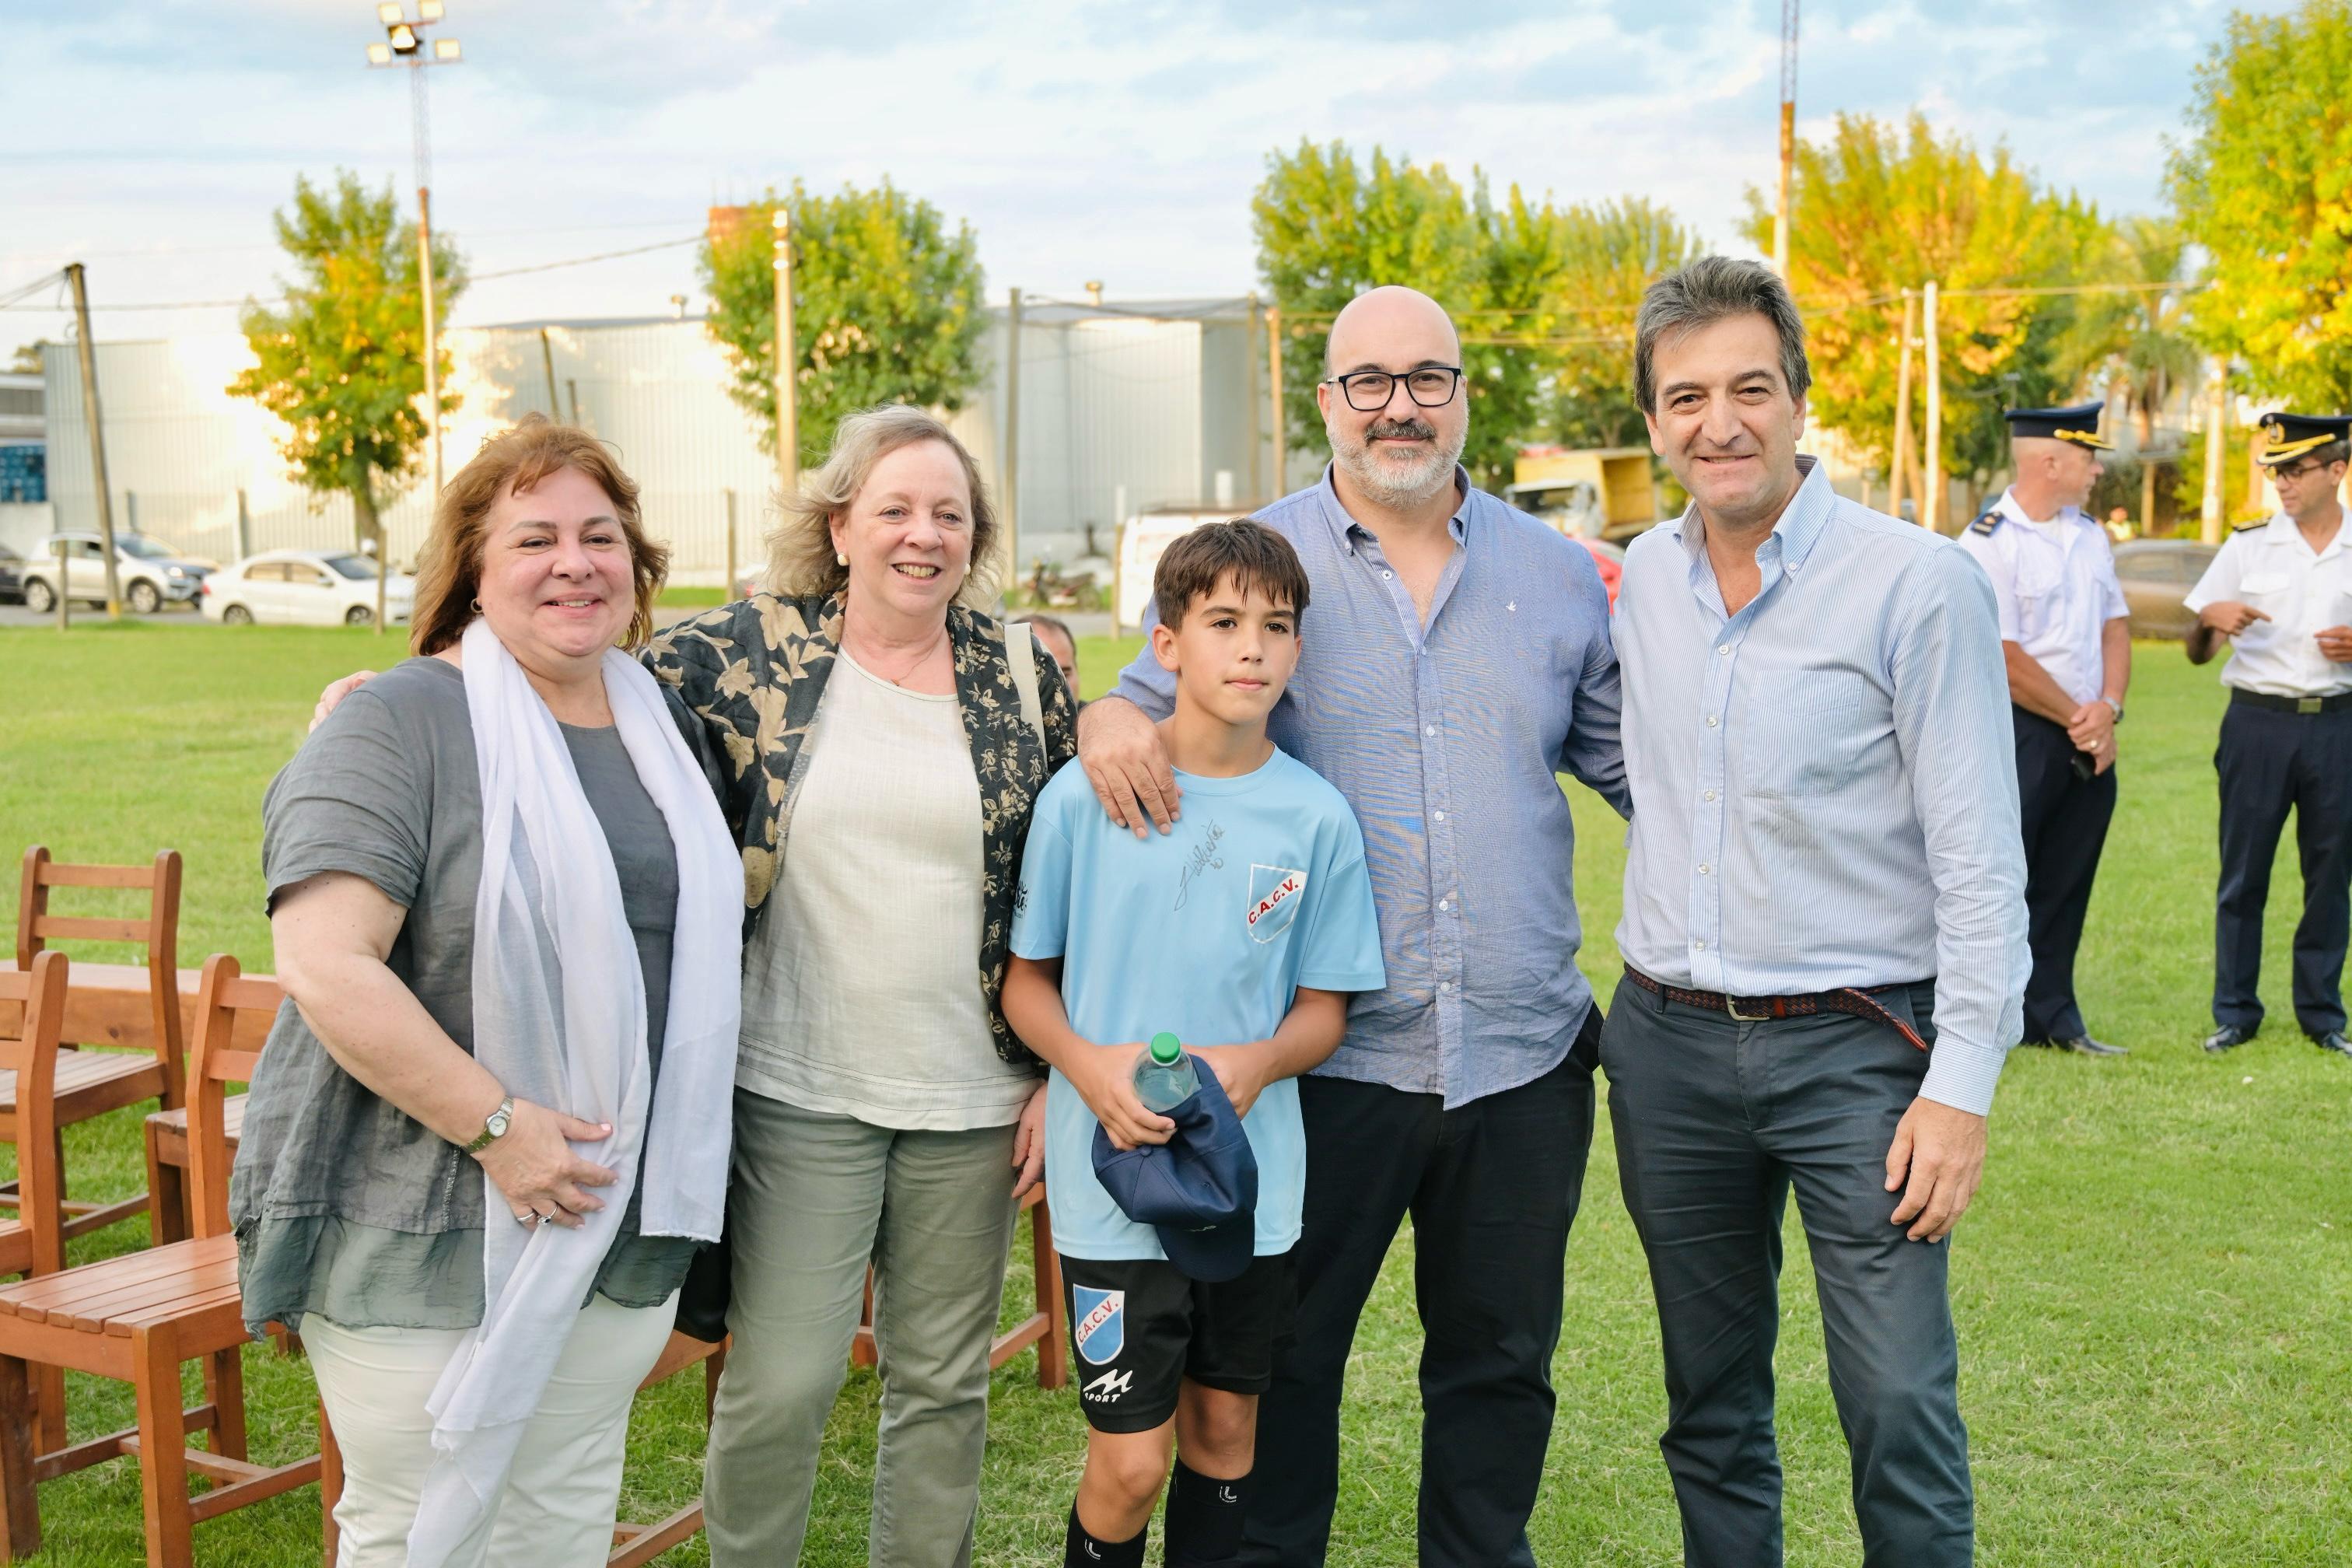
{"points": [[157, 932], [215, 1064], [32, 1055]]}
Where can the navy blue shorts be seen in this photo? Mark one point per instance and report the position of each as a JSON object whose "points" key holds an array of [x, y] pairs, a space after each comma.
{"points": [[1140, 1327]]}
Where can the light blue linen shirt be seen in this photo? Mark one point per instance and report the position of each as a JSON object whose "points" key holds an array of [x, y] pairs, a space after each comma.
{"points": [[1826, 783], [1447, 737]]}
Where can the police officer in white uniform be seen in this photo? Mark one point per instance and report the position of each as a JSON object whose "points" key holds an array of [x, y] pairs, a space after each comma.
{"points": [[2281, 593], [2068, 646]]}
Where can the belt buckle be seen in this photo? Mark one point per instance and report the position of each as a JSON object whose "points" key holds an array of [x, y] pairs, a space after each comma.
{"points": [[2309, 704], [1731, 1005]]}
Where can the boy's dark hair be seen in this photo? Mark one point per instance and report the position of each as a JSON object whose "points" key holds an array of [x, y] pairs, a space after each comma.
{"points": [[1251, 554]]}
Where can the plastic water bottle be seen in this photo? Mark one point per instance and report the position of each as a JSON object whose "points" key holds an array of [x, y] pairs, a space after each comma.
{"points": [[1164, 1077]]}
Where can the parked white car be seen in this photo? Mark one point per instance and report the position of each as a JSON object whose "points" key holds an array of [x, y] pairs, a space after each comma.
{"points": [[149, 573], [303, 588]]}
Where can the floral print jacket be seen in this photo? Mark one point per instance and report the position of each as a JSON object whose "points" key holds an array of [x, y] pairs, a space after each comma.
{"points": [[755, 670]]}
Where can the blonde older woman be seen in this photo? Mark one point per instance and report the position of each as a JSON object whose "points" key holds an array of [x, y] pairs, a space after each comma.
{"points": [[491, 1127], [880, 772]]}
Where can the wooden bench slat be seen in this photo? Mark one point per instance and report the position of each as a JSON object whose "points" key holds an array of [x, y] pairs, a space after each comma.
{"points": [[54, 875], [207, 1303], [85, 928], [38, 1298], [142, 1301]]}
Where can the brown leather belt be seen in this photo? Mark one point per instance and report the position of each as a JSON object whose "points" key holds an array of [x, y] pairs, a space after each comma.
{"points": [[1856, 1002]]}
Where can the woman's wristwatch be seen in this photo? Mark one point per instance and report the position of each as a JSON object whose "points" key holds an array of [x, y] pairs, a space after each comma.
{"points": [[494, 1126]]}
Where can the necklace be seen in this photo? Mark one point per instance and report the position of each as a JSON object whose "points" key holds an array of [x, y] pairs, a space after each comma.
{"points": [[913, 665]]}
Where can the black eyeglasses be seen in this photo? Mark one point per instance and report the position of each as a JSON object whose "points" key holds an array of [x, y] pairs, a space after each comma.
{"points": [[1431, 386], [2312, 465]]}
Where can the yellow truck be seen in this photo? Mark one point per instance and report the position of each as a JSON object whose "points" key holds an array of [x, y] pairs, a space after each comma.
{"points": [[1601, 492]]}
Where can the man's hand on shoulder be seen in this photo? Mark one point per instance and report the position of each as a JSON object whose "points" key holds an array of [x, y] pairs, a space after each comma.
{"points": [[335, 692], [1936, 1161], [1121, 751]]}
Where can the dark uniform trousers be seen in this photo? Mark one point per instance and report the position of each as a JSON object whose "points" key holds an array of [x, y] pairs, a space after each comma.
{"points": [[1716, 1121], [2065, 819], [2271, 762], [1491, 1187]]}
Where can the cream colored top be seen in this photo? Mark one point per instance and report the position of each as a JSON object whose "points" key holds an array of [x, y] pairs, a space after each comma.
{"points": [[860, 995]]}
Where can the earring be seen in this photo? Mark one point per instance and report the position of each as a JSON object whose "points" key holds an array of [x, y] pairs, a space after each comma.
{"points": [[839, 559], [478, 607]]}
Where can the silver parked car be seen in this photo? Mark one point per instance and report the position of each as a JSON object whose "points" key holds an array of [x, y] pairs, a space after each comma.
{"points": [[2157, 575], [149, 573], [304, 588]]}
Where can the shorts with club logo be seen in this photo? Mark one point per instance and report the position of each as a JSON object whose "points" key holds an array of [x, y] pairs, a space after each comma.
{"points": [[1140, 1327]]}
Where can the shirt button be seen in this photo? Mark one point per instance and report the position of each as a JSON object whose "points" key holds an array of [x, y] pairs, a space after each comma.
{"points": [[1698, 946], [1710, 721], [1446, 986], [1702, 868], [1443, 906], [1440, 816], [1429, 728], [1723, 648], [1386, 574], [1710, 794]]}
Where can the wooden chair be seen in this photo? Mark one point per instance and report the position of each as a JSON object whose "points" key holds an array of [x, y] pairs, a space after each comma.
{"points": [[138, 1318], [633, 1545], [33, 1242], [168, 1215], [1045, 1327], [91, 1083]]}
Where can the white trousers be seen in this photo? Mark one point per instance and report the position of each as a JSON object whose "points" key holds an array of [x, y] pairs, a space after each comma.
{"points": [[562, 1496]]}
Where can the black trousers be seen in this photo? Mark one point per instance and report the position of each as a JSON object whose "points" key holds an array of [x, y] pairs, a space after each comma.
{"points": [[2272, 762], [1491, 1187], [2065, 819], [1717, 1121]]}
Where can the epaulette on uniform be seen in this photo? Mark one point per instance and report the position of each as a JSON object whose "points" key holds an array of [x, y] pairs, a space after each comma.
{"points": [[2255, 527], [1988, 522]]}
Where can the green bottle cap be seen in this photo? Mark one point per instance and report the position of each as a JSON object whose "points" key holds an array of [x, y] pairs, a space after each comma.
{"points": [[1166, 1049]]}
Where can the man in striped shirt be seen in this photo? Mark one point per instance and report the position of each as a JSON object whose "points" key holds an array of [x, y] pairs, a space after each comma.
{"points": [[1456, 660]]}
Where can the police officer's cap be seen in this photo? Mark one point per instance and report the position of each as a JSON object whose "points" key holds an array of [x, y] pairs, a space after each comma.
{"points": [[2079, 424], [2290, 435]]}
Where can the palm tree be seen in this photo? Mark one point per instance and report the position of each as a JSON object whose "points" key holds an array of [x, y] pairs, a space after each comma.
{"points": [[2133, 340]]}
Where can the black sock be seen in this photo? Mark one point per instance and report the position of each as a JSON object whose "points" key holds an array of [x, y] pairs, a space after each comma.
{"points": [[1205, 1518], [1080, 1550]]}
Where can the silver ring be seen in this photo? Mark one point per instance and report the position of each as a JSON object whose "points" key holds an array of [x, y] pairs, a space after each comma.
{"points": [[530, 1216]]}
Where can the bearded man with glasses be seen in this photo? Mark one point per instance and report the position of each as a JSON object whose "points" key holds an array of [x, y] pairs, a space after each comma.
{"points": [[1456, 659], [2281, 593]]}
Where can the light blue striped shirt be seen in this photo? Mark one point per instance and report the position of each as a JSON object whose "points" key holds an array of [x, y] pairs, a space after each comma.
{"points": [[1826, 783], [1446, 739]]}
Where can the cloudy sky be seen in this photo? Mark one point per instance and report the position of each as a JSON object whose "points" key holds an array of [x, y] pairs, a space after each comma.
{"points": [[151, 139]]}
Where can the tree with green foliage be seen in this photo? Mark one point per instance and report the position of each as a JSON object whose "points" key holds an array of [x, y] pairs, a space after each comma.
{"points": [[27, 358], [887, 308], [1611, 254], [1877, 209], [342, 361], [1329, 227], [2264, 185]]}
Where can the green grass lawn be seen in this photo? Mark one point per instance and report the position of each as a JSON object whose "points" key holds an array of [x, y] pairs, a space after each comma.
{"points": [[2154, 1288]]}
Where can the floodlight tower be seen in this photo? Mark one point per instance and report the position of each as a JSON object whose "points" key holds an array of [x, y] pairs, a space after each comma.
{"points": [[1788, 134], [404, 45]]}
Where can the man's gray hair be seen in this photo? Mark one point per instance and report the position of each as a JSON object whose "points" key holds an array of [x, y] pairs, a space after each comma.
{"points": [[1706, 291]]}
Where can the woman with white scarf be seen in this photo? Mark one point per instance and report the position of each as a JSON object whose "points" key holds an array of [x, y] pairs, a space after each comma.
{"points": [[492, 1126]]}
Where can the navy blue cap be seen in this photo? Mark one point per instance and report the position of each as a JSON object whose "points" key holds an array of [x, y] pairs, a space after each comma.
{"points": [[1198, 1189], [2079, 424], [2287, 437]]}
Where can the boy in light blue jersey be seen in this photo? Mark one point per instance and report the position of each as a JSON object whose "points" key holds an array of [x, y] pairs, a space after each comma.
{"points": [[1242, 933]]}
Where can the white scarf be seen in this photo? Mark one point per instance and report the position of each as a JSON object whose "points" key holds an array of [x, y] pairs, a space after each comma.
{"points": [[559, 1020]]}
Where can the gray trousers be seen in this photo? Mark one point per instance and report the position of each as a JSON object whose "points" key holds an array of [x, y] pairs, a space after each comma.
{"points": [[1715, 1120], [814, 1198]]}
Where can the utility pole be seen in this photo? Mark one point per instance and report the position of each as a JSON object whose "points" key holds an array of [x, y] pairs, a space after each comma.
{"points": [[788, 413], [1273, 380], [1931, 515], [404, 44], [88, 352], [2217, 404], [1788, 135], [1249, 400], [1897, 470], [1012, 486]]}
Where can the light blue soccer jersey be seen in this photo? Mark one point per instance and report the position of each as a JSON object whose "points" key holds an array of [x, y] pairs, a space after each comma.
{"points": [[1206, 932]]}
